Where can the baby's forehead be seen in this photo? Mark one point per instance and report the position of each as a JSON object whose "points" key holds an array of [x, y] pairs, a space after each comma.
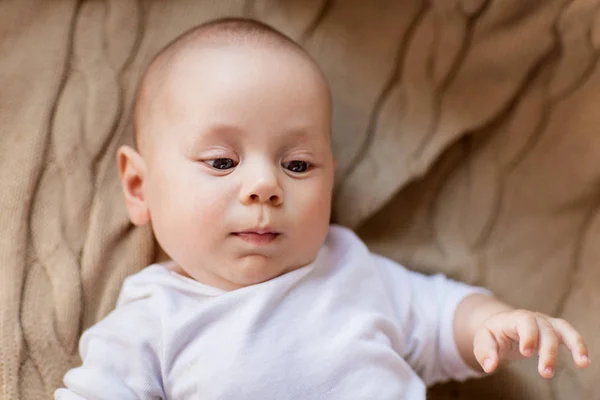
{"points": [[235, 35], [203, 61], [179, 61]]}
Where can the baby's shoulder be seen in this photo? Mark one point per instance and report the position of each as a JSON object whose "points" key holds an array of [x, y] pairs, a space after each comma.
{"points": [[145, 303], [144, 285], [161, 285], [344, 243]]}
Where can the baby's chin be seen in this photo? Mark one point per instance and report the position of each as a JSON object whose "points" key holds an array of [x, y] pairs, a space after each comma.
{"points": [[248, 271], [255, 269]]}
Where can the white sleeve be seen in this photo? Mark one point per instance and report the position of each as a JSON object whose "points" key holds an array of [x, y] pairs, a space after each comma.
{"points": [[120, 358], [426, 306]]}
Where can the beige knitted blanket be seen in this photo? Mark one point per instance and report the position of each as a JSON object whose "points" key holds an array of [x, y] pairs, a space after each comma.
{"points": [[466, 133]]}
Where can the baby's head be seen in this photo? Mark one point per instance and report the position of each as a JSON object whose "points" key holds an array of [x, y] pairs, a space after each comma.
{"points": [[233, 166]]}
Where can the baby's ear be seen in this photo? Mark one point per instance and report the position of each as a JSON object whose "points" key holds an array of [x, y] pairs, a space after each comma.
{"points": [[132, 170]]}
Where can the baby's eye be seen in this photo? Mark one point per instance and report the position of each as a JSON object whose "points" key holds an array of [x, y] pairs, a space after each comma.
{"points": [[296, 166], [221, 163]]}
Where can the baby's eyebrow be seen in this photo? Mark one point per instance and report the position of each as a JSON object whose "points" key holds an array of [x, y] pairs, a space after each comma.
{"points": [[221, 130], [232, 134], [230, 131], [298, 134], [223, 133], [311, 135], [218, 131]]}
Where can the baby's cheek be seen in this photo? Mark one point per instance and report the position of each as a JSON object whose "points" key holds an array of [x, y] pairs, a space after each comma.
{"points": [[208, 209], [316, 207], [319, 199]]}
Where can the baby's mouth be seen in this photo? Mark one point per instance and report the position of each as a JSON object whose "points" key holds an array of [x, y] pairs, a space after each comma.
{"points": [[258, 238]]}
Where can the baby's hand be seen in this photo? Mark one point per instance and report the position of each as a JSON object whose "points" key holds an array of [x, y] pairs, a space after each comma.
{"points": [[512, 335]]}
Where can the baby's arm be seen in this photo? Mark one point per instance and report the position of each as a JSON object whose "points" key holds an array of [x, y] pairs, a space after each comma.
{"points": [[425, 307], [488, 331], [120, 358]]}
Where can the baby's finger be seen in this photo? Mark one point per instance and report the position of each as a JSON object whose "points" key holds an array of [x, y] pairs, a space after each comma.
{"points": [[573, 340], [485, 349], [549, 343], [528, 331]]}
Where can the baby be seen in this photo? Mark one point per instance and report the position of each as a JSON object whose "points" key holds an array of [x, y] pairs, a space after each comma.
{"points": [[261, 298]]}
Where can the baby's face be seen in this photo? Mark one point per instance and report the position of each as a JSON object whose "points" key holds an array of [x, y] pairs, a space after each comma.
{"points": [[239, 169]]}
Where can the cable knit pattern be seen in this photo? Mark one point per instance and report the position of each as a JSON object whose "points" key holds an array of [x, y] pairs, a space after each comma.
{"points": [[465, 133]]}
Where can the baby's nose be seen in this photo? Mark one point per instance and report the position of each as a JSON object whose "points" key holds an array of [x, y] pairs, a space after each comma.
{"points": [[273, 199], [264, 189]]}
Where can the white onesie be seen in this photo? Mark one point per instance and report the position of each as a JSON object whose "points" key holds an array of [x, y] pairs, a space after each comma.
{"points": [[351, 325]]}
